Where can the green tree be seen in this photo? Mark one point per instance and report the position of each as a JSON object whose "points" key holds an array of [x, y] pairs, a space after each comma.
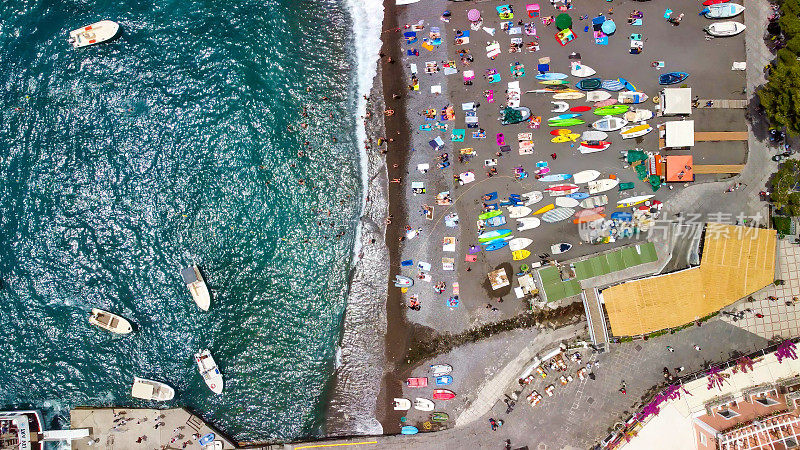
{"points": [[780, 97], [783, 181], [790, 25]]}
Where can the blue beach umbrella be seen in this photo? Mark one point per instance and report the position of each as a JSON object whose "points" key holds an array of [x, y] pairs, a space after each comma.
{"points": [[609, 27]]}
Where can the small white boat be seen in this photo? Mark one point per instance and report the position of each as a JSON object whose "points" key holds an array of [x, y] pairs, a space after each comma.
{"points": [[585, 176], [609, 123], [724, 29], [423, 404], [629, 97], [197, 286], [402, 404], [566, 202], [595, 187], [562, 247], [96, 33], [597, 96], [724, 10], [638, 115], [634, 131], [515, 212], [519, 243], [594, 135], [533, 197], [437, 370], [110, 321], [528, 223], [559, 106], [209, 370], [151, 390], [581, 71]]}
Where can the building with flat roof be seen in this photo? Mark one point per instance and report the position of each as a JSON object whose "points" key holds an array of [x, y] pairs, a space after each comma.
{"points": [[736, 261], [680, 168], [676, 134], [676, 101]]}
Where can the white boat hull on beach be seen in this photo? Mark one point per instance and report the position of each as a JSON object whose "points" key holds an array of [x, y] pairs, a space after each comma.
{"points": [[533, 197], [528, 223], [519, 243]]}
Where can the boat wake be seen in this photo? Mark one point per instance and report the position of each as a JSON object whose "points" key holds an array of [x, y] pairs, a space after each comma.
{"points": [[360, 356]]}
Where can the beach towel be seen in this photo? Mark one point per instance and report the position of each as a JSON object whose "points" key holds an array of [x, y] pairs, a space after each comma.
{"points": [[427, 46], [436, 89], [423, 168], [471, 258], [542, 68], [451, 220], [448, 263], [424, 266], [450, 70], [407, 262], [490, 31], [449, 244]]}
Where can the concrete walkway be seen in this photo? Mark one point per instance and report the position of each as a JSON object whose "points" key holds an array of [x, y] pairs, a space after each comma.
{"points": [[491, 392]]}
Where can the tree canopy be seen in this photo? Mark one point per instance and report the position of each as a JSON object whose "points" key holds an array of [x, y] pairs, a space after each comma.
{"points": [[780, 96]]}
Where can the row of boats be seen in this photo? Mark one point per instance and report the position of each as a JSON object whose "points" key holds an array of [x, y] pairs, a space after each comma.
{"points": [[156, 390]]}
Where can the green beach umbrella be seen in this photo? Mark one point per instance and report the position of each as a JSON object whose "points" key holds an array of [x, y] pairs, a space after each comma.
{"points": [[563, 21]]}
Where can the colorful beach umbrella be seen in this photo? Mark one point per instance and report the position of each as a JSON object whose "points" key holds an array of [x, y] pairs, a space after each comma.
{"points": [[563, 21], [609, 27], [474, 15]]}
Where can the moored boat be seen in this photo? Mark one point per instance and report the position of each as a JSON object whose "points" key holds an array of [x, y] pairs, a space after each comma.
{"points": [[151, 390], [589, 84], [402, 404], [559, 248], [209, 371], [609, 123], [110, 321], [597, 96], [197, 286], [630, 97], [593, 146], [96, 33], [634, 131]]}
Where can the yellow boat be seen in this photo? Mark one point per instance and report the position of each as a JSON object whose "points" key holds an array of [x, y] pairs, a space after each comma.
{"points": [[565, 138], [632, 201], [544, 209], [519, 255], [554, 82], [561, 132]]}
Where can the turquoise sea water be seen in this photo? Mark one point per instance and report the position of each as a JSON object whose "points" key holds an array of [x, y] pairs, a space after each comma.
{"points": [[123, 162]]}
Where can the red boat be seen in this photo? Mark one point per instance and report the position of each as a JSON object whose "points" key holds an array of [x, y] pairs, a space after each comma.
{"points": [[588, 218], [579, 109], [596, 145], [443, 394], [589, 212], [417, 382], [562, 187], [714, 2]]}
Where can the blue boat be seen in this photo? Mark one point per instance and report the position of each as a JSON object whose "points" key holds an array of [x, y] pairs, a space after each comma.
{"points": [[496, 244], [551, 76], [409, 430], [492, 235], [613, 85], [207, 439], [444, 380], [578, 195], [622, 215], [672, 78], [628, 85]]}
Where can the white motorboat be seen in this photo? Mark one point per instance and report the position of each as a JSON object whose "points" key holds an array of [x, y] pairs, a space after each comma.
{"points": [[209, 370], [562, 247], [580, 70], [402, 404], [197, 286], [597, 96], [638, 115], [595, 187], [725, 29], [609, 123], [423, 404], [110, 321], [515, 212], [559, 107], [519, 243], [151, 390], [724, 10], [532, 197], [527, 223], [96, 33]]}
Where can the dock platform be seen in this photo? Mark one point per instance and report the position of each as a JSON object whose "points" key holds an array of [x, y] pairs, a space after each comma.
{"points": [[721, 103], [131, 428]]}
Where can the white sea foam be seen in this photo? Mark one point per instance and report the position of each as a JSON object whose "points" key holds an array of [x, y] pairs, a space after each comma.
{"points": [[360, 355], [367, 17]]}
